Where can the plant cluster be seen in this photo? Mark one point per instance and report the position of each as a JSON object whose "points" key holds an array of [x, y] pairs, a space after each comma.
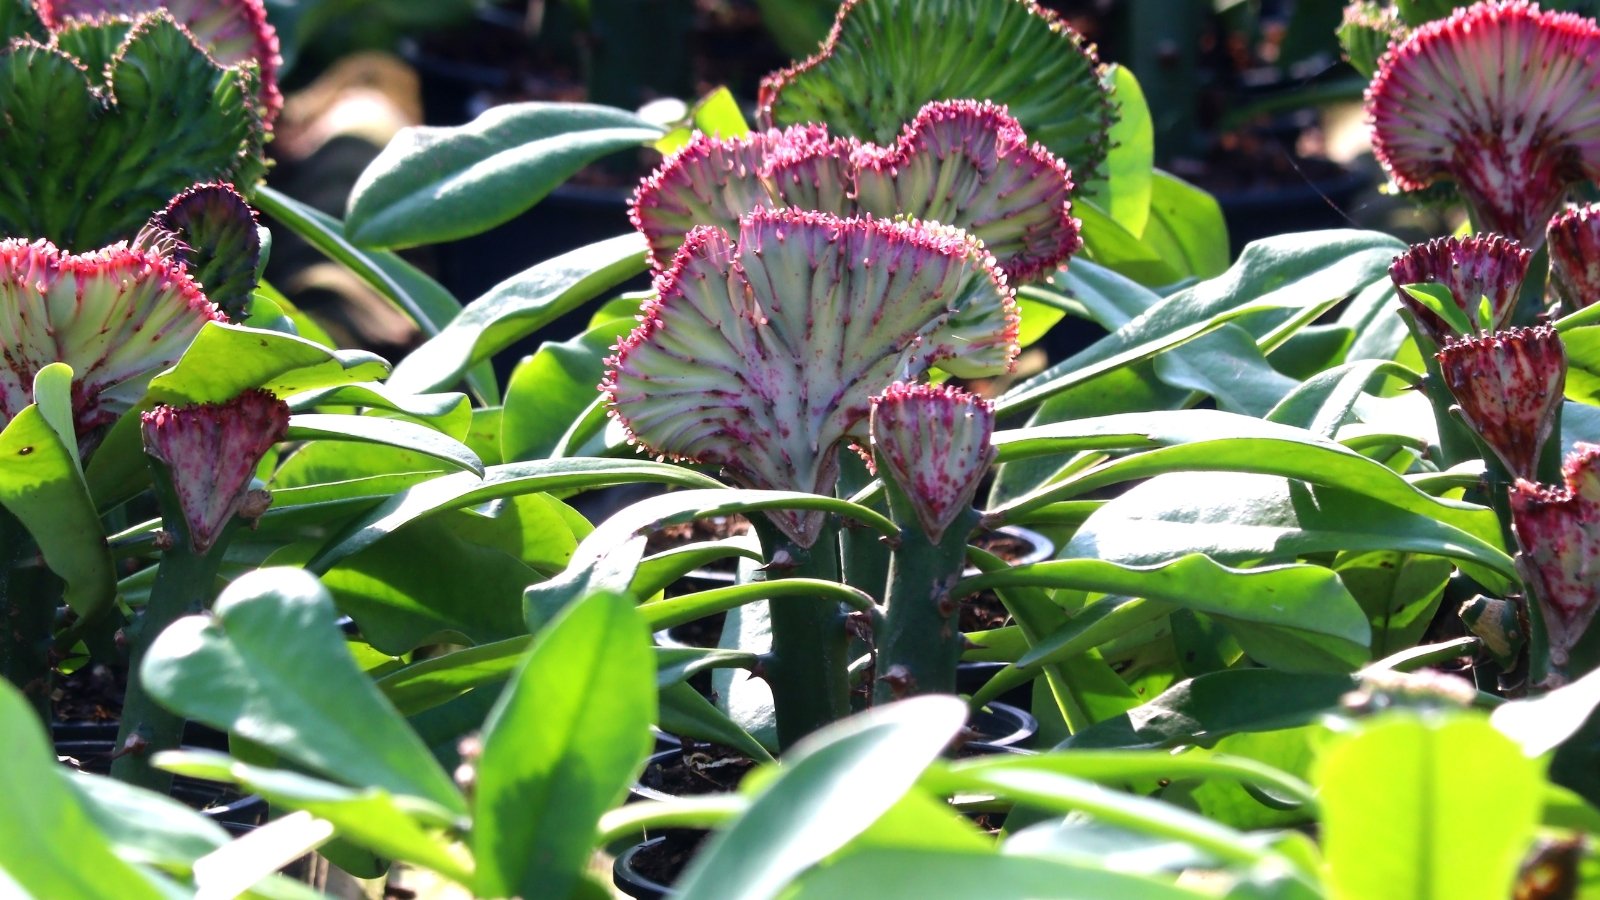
{"points": [[1317, 614]]}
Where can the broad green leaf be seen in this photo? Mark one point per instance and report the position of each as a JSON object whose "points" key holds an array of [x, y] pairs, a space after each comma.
{"points": [[561, 747], [144, 826], [252, 667], [1125, 190], [52, 393], [551, 389], [1251, 805], [384, 432], [677, 664], [49, 846], [1113, 767], [439, 679], [517, 307], [464, 489], [833, 785], [1295, 618], [431, 184], [425, 301], [673, 611], [1399, 592], [1204, 709], [1441, 301], [41, 486], [657, 572], [1108, 244], [1542, 724], [1040, 311], [1186, 224], [450, 413], [1398, 819], [685, 712], [909, 874], [370, 817]]}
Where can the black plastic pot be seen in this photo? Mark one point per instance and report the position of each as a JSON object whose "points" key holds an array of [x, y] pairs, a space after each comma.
{"points": [[630, 881], [93, 743]]}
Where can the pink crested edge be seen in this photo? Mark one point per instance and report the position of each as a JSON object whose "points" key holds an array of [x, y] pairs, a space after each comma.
{"points": [[938, 488], [708, 240], [1573, 237], [267, 50], [773, 152], [1491, 264], [1508, 385], [38, 265]]}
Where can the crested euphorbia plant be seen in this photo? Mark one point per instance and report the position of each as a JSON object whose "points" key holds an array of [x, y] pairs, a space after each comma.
{"points": [[1558, 531], [231, 31], [931, 444], [1483, 267], [959, 162], [760, 354], [1574, 241], [112, 117], [1507, 386], [214, 232], [1500, 100], [202, 459]]}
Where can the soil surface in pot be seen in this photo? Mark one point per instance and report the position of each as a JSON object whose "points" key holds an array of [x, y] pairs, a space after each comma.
{"points": [[662, 862], [697, 769]]}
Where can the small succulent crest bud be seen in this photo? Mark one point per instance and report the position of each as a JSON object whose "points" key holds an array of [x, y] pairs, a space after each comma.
{"points": [[1558, 531], [1499, 99], [1508, 385], [1574, 242], [211, 451], [1476, 268], [1367, 30], [934, 442], [216, 235]]}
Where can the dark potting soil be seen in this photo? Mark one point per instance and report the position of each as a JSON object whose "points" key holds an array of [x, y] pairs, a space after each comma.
{"points": [[663, 862], [701, 769], [90, 693], [983, 611]]}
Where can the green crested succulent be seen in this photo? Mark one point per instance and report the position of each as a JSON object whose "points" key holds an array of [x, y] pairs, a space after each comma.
{"points": [[1366, 32], [108, 119], [885, 59], [764, 347], [959, 162]]}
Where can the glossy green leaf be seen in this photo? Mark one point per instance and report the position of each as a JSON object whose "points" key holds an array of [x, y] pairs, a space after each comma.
{"points": [[1399, 592], [370, 817], [1296, 618], [657, 572], [518, 307], [432, 184], [1206, 708], [1125, 191], [1108, 244], [464, 489], [909, 874], [450, 413], [685, 712], [1118, 766], [1397, 821], [672, 611], [1186, 224], [424, 301], [833, 785], [144, 826], [272, 643], [1541, 724], [550, 390], [561, 747], [384, 432], [439, 679], [52, 393], [678, 664], [49, 847], [41, 486]]}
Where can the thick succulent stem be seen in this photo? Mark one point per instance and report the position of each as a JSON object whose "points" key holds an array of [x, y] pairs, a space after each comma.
{"points": [[184, 585], [809, 666], [29, 595], [919, 645]]}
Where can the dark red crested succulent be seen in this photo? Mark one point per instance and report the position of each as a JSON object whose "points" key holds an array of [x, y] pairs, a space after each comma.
{"points": [[1558, 532], [885, 59], [1500, 99], [1508, 385], [762, 348], [1484, 265], [1574, 242], [959, 162], [117, 316], [232, 31], [214, 231], [934, 442], [211, 451]]}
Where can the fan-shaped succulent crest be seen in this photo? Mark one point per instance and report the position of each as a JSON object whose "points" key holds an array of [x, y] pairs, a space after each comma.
{"points": [[214, 232], [109, 121], [1508, 385], [117, 316], [211, 451], [884, 59], [1501, 99], [1574, 242], [232, 31], [1472, 268], [1558, 532], [958, 163], [934, 442], [762, 349]]}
